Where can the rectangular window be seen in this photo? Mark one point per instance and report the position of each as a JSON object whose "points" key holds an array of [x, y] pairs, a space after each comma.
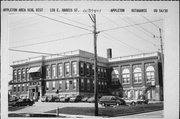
{"points": [[27, 74], [137, 77], [60, 85], [15, 75], [103, 86], [18, 88], [23, 88], [88, 84], [92, 71], [67, 69], [14, 88], [150, 76], [93, 84], [19, 75], [104, 73], [60, 70], [67, 85], [99, 86], [82, 68], [126, 78], [82, 84], [27, 85], [99, 71], [47, 85], [74, 84], [23, 74], [53, 86], [48, 72], [53, 71], [88, 69], [74, 68]]}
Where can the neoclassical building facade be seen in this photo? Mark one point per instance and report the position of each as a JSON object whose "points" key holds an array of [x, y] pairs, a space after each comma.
{"points": [[72, 73]]}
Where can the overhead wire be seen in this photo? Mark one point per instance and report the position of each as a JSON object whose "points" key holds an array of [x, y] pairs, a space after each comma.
{"points": [[127, 45], [152, 22], [31, 52], [131, 32], [120, 27], [147, 31], [65, 23], [30, 24], [52, 40], [67, 31], [74, 21]]}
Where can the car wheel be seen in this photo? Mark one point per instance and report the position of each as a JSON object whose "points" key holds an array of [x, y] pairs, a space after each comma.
{"points": [[133, 103], [118, 104]]}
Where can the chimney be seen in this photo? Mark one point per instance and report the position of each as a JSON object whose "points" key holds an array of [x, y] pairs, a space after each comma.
{"points": [[109, 53]]}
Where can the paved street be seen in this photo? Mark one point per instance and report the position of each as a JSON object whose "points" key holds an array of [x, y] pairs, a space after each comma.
{"points": [[45, 107]]}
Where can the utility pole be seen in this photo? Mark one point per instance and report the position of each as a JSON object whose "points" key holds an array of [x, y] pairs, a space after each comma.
{"points": [[162, 54], [93, 18]]}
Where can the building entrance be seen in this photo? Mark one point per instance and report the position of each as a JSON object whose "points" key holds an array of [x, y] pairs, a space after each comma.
{"points": [[34, 93]]}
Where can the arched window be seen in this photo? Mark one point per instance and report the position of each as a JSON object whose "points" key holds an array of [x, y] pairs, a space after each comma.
{"points": [[126, 76], [137, 75], [150, 73]]}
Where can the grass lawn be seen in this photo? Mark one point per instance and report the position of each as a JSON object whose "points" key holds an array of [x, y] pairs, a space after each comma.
{"points": [[109, 111]]}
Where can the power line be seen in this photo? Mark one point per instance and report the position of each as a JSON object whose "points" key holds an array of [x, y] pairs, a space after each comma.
{"points": [[147, 31], [41, 36], [31, 52], [152, 22], [131, 32], [64, 23], [128, 26], [52, 40], [127, 45], [75, 21], [30, 24]]}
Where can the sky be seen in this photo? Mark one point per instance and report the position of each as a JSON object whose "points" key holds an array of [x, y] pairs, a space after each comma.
{"points": [[57, 33]]}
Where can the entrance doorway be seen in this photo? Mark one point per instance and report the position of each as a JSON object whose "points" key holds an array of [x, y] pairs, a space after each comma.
{"points": [[33, 93]]}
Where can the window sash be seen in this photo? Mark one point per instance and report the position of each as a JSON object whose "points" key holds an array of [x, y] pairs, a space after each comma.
{"points": [[53, 71], [67, 69], [60, 69]]}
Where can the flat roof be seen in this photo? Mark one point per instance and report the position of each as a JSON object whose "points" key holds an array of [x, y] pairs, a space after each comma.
{"points": [[86, 54]]}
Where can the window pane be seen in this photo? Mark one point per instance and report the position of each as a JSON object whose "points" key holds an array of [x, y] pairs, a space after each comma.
{"points": [[47, 71], [74, 84], [53, 87], [60, 70], [67, 69], [53, 71], [82, 84], [74, 68]]}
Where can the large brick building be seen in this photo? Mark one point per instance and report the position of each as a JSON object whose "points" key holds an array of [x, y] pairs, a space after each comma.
{"points": [[71, 73]]}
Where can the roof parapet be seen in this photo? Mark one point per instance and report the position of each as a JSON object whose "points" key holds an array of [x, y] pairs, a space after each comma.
{"points": [[144, 55]]}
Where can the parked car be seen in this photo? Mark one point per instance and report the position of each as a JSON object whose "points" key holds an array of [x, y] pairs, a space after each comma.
{"points": [[50, 98], [64, 99], [44, 99], [111, 100], [84, 99], [56, 99], [91, 100], [75, 99], [23, 102], [136, 101]]}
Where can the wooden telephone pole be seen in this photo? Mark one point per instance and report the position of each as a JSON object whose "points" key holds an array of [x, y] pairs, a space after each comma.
{"points": [[93, 18]]}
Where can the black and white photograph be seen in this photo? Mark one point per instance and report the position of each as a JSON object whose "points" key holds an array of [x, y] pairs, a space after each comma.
{"points": [[74, 63]]}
